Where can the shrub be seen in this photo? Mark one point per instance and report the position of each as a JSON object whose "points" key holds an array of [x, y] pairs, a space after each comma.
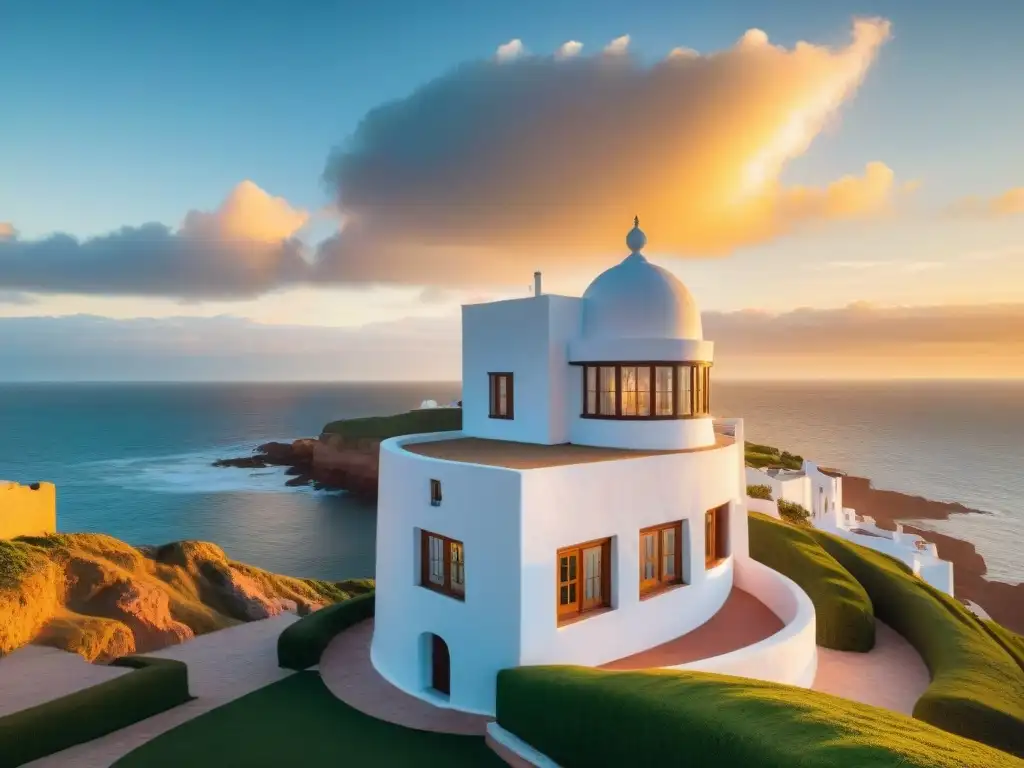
{"points": [[590, 717], [155, 686], [844, 617], [793, 513], [977, 687], [409, 423], [760, 492], [301, 644]]}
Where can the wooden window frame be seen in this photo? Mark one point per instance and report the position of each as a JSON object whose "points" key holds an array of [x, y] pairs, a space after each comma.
{"points": [[494, 379], [660, 582], [435, 493], [447, 544], [716, 548], [691, 390], [579, 609]]}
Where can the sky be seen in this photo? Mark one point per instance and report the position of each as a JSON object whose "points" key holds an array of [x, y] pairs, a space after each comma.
{"points": [[232, 190]]}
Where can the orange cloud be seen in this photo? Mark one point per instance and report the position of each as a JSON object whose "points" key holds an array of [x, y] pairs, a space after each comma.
{"points": [[552, 155], [1008, 203], [247, 214], [243, 248], [6, 230]]}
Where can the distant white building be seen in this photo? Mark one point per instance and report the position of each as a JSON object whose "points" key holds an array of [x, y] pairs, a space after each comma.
{"points": [[589, 509], [820, 491]]}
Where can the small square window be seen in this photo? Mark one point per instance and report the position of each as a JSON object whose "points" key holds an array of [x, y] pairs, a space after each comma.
{"points": [[435, 493]]}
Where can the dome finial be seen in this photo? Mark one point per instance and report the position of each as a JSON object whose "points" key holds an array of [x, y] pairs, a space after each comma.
{"points": [[636, 239]]}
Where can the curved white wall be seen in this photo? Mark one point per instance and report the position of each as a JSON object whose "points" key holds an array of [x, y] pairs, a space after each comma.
{"points": [[563, 506], [480, 507], [512, 524], [790, 656], [591, 349], [654, 435]]}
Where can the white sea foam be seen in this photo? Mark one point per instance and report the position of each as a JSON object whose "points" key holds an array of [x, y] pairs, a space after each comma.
{"points": [[192, 473]]}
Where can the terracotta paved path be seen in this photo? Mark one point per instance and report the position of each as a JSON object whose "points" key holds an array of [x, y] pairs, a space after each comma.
{"points": [[348, 673], [743, 620], [892, 675]]}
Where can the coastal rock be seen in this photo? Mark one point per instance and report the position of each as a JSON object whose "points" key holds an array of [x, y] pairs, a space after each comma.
{"points": [[241, 596], [244, 462], [145, 610], [299, 480]]}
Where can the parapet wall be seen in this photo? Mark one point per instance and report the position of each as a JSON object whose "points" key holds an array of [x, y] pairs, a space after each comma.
{"points": [[27, 510]]}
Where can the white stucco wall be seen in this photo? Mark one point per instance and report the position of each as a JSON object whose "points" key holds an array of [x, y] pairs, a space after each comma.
{"points": [[563, 506], [480, 508], [527, 337], [790, 656], [764, 506], [664, 435]]}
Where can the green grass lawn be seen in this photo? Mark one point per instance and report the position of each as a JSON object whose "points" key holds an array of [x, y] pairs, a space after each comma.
{"points": [[410, 423], [297, 721], [663, 717]]}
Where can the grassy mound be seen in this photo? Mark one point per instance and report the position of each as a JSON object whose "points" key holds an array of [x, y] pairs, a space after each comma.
{"points": [[977, 687], [102, 598], [844, 617], [758, 455], [301, 644], [597, 718], [297, 721], [410, 423]]}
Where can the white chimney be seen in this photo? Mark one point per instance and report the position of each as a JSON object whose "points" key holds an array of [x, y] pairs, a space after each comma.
{"points": [[536, 283]]}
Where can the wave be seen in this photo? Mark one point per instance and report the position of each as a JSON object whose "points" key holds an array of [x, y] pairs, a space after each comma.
{"points": [[191, 472]]}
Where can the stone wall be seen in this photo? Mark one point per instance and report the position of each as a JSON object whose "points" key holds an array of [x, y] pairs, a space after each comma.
{"points": [[27, 510]]}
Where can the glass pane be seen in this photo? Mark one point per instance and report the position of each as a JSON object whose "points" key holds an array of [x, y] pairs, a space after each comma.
{"points": [[572, 568], [563, 570], [709, 534], [563, 596], [607, 376], [668, 541], [643, 388], [458, 568], [668, 567], [572, 592], [663, 391], [685, 395], [591, 402], [436, 560], [591, 377], [629, 400]]}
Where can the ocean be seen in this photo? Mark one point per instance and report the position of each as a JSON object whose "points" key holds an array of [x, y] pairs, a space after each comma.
{"points": [[134, 460]]}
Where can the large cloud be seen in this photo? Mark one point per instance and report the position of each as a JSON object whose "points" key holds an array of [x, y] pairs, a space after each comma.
{"points": [[243, 248], [857, 341], [552, 155]]}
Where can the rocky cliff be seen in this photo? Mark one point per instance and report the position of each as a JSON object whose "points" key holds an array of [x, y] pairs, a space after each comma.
{"points": [[346, 456], [101, 598]]}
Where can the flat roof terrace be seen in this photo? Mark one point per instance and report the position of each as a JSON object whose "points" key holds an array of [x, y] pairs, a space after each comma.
{"points": [[513, 455]]}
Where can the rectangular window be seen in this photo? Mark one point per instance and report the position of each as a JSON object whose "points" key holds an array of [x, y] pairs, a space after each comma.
{"points": [[663, 391], [716, 535], [684, 390], [706, 372], [435, 493], [501, 396], [590, 391], [608, 391], [661, 556], [630, 393], [583, 574], [443, 564]]}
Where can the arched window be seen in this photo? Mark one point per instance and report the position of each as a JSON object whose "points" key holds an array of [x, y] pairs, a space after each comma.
{"points": [[646, 390]]}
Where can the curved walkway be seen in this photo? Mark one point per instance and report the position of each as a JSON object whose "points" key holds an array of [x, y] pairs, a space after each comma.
{"points": [[743, 620], [222, 666], [892, 675], [348, 673]]}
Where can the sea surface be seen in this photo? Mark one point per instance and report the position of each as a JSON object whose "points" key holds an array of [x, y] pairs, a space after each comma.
{"points": [[133, 460]]}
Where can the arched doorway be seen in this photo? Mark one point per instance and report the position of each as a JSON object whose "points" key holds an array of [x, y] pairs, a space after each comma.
{"points": [[440, 666]]}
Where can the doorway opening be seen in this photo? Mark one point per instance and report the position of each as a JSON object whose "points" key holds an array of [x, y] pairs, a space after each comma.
{"points": [[440, 666]]}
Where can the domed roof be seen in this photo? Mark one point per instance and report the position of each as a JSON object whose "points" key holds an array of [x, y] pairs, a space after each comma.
{"points": [[637, 299]]}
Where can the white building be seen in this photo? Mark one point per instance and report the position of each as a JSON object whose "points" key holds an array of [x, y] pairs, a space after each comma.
{"points": [[589, 509], [820, 491]]}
